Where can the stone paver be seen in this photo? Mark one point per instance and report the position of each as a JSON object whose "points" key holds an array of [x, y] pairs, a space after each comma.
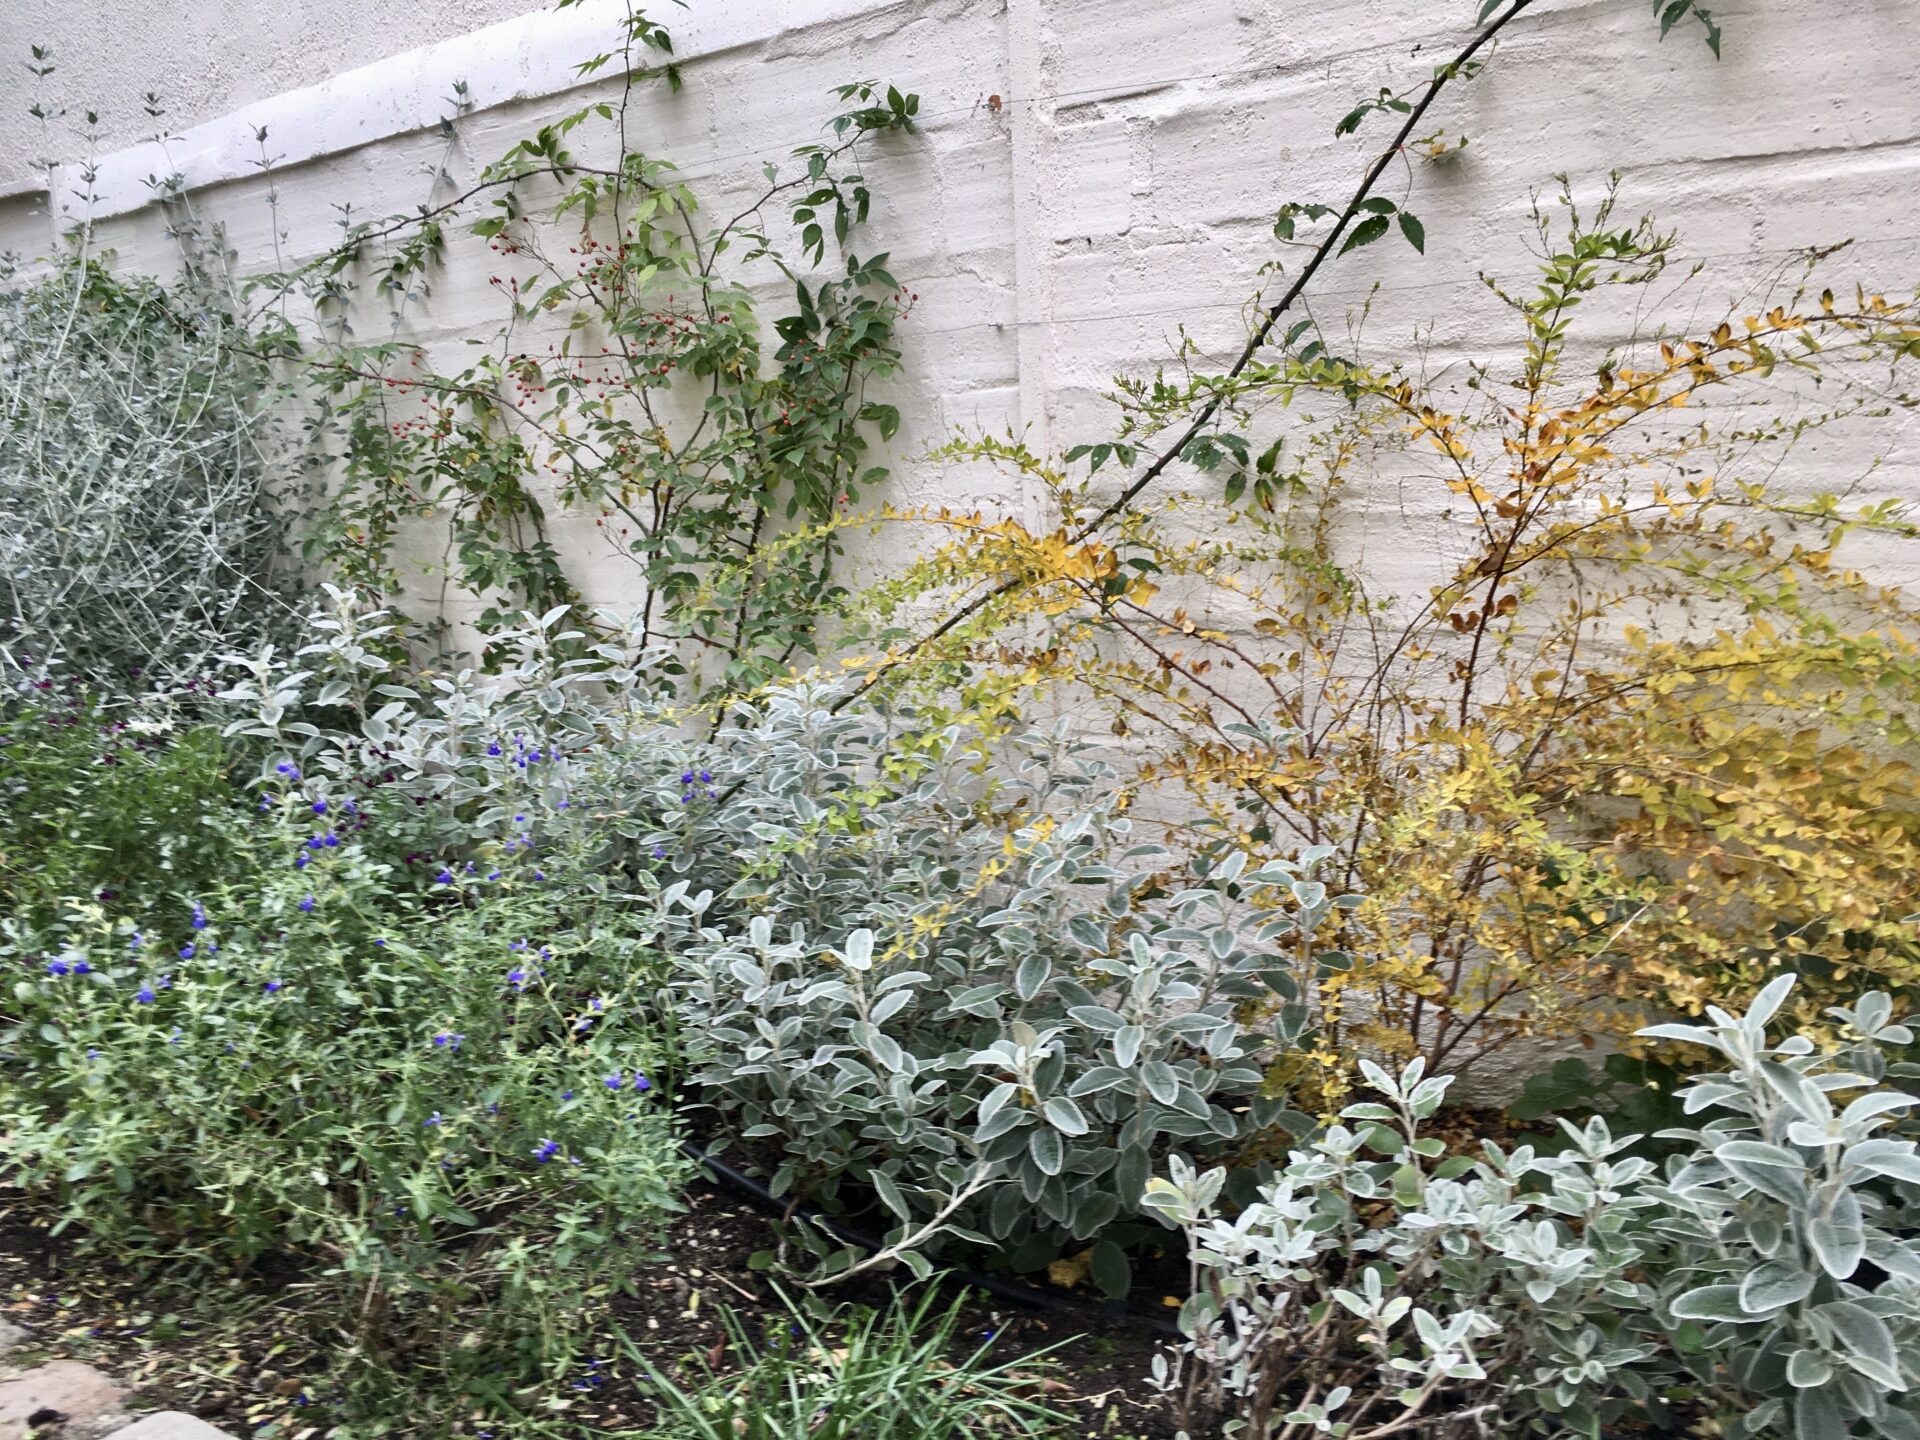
{"points": [[65, 1400], [54, 1394], [170, 1425]]}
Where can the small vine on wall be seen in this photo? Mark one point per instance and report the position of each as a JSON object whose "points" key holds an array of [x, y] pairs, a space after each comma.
{"points": [[635, 380]]}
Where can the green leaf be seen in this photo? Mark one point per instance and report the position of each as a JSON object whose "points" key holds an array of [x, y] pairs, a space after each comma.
{"points": [[1031, 975], [1713, 1302], [1415, 232], [1406, 1185], [1808, 1369], [1837, 1243], [1110, 1269], [1161, 1081], [890, 1194], [1774, 1284], [1049, 1152], [1365, 233], [1065, 1116], [1866, 1343], [1817, 1416]]}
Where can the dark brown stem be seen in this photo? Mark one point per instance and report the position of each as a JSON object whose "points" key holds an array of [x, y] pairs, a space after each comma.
{"points": [[1322, 253]]}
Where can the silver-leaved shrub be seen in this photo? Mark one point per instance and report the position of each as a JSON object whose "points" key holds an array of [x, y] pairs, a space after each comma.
{"points": [[1767, 1274], [976, 1002], [143, 535]]}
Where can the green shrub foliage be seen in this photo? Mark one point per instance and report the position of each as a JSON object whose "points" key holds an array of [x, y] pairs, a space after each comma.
{"points": [[1767, 1273]]}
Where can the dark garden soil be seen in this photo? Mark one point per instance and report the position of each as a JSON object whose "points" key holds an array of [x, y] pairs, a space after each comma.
{"points": [[244, 1354]]}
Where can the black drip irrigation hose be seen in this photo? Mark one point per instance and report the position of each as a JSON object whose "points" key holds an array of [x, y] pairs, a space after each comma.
{"points": [[1112, 1312]]}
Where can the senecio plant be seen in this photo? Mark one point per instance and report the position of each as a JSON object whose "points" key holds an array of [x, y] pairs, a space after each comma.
{"points": [[981, 1002], [1765, 1274]]}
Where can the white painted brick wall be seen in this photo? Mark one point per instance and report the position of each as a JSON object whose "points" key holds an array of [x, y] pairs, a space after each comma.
{"points": [[1122, 188], [1125, 185]]}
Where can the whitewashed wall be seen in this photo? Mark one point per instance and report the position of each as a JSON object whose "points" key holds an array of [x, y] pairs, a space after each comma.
{"points": [[1091, 175]]}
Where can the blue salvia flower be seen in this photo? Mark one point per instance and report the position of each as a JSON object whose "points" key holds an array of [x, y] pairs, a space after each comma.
{"points": [[431, 1121], [300, 861], [81, 967], [315, 842], [546, 1150], [187, 951], [306, 905], [286, 769], [517, 978], [331, 840], [319, 807], [273, 987], [57, 967], [445, 877], [641, 1083], [135, 940], [144, 995], [199, 916], [616, 1080]]}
